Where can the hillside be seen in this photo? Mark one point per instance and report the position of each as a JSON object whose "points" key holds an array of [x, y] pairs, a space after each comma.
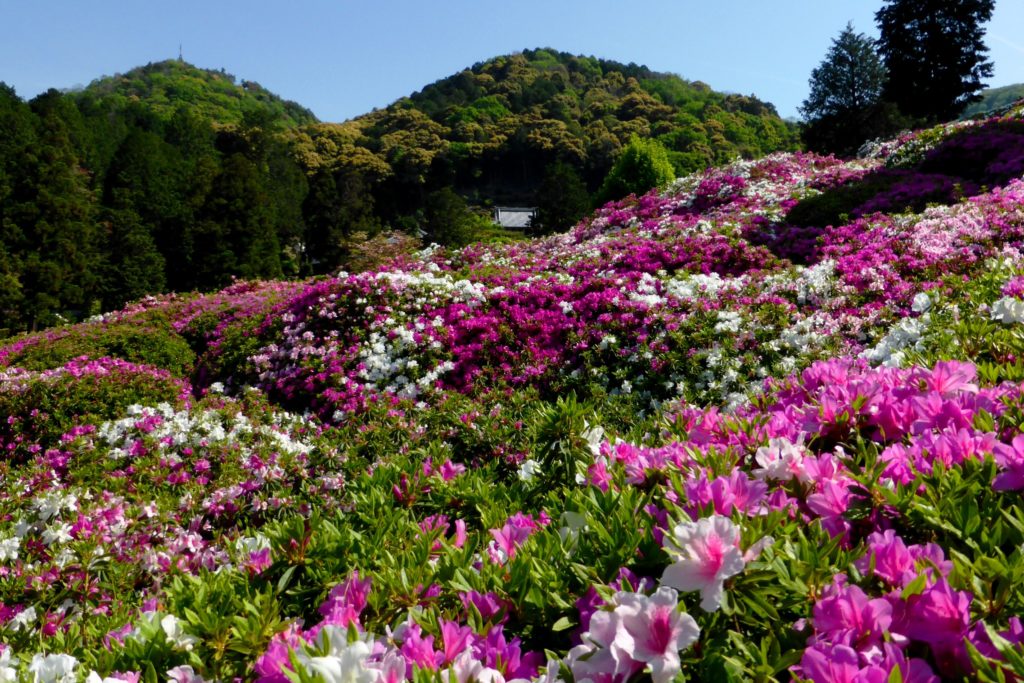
{"points": [[175, 178], [492, 129], [163, 87], [994, 99], [764, 424]]}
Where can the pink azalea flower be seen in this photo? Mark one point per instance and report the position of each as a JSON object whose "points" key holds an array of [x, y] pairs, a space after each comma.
{"points": [[845, 614], [419, 650], [939, 616], [599, 658], [455, 639], [392, 668], [468, 669], [258, 561], [830, 664], [706, 553], [449, 470], [951, 377], [653, 631], [1011, 459], [781, 460]]}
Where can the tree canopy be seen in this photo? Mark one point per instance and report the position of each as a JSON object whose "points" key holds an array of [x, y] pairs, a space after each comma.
{"points": [[935, 54], [850, 79], [845, 105], [642, 166]]}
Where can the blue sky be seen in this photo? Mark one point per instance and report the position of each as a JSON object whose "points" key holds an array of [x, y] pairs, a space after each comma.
{"points": [[342, 58]]}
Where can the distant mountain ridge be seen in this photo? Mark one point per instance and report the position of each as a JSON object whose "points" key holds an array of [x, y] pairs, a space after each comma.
{"points": [[544, 105], [164, 86], [993, 99]]}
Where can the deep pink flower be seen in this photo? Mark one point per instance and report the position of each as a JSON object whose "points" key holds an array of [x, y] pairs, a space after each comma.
{"points": [[1011, 459], [844, 614], [830, 664], [346, 601], [455, 639], [938, 616]]}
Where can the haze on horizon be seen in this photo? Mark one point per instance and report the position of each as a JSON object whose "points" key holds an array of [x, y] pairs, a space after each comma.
{"points": [[342, 59]]}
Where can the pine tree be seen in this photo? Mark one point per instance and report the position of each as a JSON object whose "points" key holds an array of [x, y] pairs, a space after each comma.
{"points": [[132, 267], [845, 106], [934, 52], [848, 81], [60, 236]]}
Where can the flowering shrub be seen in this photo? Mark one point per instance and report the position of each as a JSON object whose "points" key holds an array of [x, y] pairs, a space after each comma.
{"points": [[755, 427]]}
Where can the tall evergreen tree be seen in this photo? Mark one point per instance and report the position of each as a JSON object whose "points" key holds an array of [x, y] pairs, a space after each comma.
{"points": [[848, 81], [132, 267], [934, 52], [60, 236], [845, 106], [17, 140], [448, 220]]}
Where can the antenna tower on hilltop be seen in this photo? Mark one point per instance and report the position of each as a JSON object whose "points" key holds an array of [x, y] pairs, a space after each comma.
{"points": [[180, 57]]}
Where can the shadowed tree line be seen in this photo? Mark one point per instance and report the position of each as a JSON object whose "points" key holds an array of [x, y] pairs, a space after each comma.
{"points": [[926, 67]]}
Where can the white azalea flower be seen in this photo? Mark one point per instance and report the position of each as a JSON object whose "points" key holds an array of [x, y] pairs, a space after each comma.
{"points": [[528, 470], [8, 674], [176, 634], [52, 668], [1008, 310], [343, 662], [23, 619], [9, 548]]}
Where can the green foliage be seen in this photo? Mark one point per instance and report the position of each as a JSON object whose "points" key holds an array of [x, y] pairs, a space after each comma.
{"points": [[848, 80], [41, 408], [844, 107], [174, 178], [148, 339], [935, 54], [643, 166], [844, 134], [562, 200], [994, 99], [449, 222], [105, 201], [213, 95], [835, 205]]}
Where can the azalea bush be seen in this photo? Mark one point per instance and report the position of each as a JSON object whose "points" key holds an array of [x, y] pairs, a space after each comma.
{"points": [[763, 424]]}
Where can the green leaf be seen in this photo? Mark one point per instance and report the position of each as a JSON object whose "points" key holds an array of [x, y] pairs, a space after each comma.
{"points": [[562, 624]]}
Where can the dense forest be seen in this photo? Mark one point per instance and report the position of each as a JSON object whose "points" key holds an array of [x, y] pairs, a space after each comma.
{"points": [[172, 178]]}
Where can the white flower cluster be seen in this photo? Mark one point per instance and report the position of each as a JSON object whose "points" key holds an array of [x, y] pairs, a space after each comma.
{"points": [[815, 284], [698, 284], [906, 334], [646, 292], [43, 519], [1008, 310], [173, 429]]}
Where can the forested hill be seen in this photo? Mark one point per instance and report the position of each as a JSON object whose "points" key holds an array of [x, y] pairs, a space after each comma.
{"points": [[493, 128], [994, 99], [162, 87], [174, 178]]}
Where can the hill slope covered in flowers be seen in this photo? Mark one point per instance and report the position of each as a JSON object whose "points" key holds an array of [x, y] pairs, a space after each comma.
{"points": [[764, 425]]}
